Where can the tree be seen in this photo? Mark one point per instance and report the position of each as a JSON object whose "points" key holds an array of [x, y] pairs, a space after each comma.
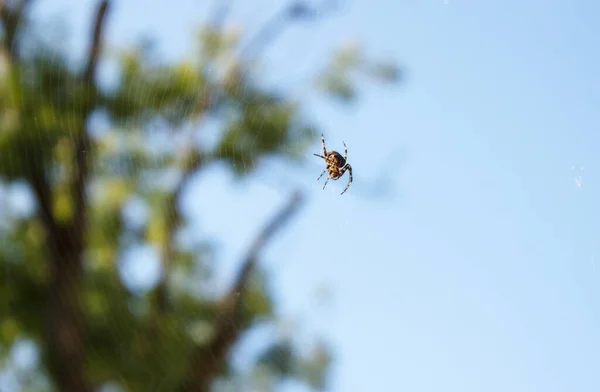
{"points": [[58, 277]]}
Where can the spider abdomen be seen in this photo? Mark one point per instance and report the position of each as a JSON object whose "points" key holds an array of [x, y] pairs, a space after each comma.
{"points": [[336, 159]]}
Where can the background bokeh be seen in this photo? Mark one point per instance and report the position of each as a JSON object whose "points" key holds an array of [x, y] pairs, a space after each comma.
{"points": [[464, 255]]}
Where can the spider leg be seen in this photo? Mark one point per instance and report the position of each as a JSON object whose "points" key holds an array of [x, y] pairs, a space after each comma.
{"points": [[323, 144], [326, 182], [320, 156], [321, 174], [345, 151], [349, 168]]}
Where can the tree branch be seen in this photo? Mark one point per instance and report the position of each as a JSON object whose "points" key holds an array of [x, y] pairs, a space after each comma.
{"points": [[297, 10], [172, 219], [194, 161], [11, 19], [43, 194], [294, 11], [207, 360], [65, 331], [219, 14], [82, 144], [90, 69]]}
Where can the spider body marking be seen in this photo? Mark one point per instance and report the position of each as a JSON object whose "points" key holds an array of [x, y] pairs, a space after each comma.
{"points": [[335, 164]]}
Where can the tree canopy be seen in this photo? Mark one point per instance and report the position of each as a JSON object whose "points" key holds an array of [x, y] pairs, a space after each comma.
{"points": [[83, 151]]}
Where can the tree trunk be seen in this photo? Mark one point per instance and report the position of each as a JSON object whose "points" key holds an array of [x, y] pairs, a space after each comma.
{"points": [[64, 324]]}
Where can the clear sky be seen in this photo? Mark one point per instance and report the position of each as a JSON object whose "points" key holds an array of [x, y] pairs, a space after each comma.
{"points": [[478, 271]]}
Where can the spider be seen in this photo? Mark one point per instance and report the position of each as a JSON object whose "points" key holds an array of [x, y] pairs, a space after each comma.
{"points": [[336, 164]]}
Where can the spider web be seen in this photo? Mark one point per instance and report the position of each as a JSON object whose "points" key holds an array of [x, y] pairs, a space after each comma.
{"points": [[138, 263]]}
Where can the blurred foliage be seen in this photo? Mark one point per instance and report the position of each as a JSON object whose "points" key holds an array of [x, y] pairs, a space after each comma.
{"points": [[144, 145], [347, 64]]}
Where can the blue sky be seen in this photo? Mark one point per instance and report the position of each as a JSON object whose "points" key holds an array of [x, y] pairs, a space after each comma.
{"points": [[479, 272]]}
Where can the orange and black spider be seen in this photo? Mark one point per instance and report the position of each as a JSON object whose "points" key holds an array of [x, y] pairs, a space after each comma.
{"points": [[336, 164]]}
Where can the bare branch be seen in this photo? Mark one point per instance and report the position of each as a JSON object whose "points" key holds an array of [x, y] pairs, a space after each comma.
{"points": [[267, 233], [209, 359], [90, 68], [220, 12], [297, 10]]}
